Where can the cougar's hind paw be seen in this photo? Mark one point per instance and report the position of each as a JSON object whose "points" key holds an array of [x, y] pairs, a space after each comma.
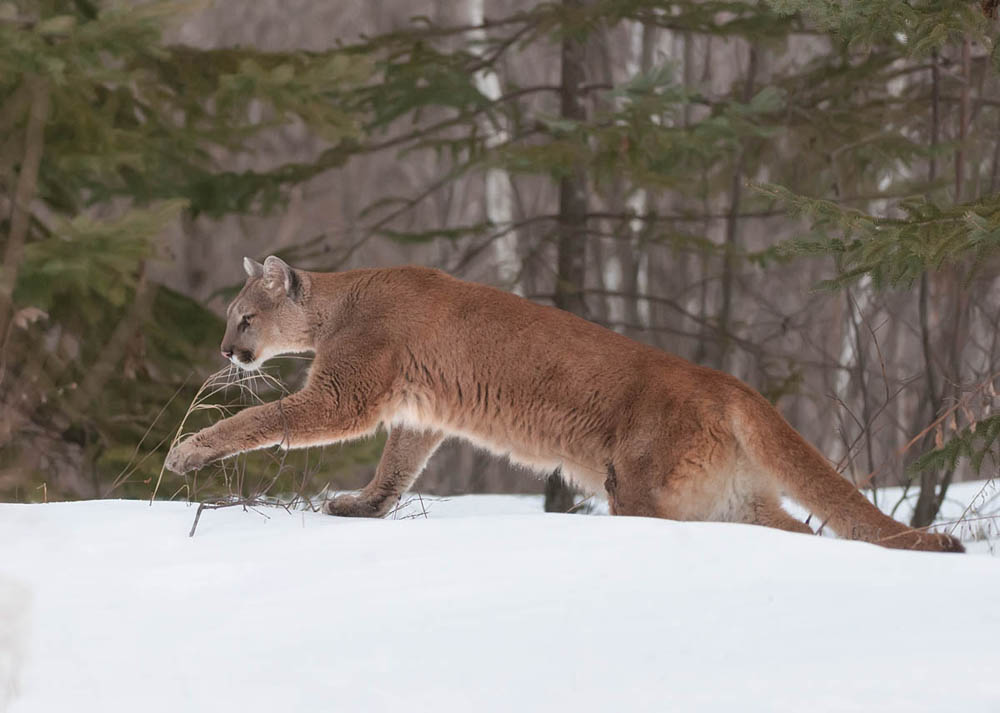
{"points": [[351, 506]]}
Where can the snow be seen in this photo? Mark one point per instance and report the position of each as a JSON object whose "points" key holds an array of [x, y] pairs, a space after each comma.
{"points": [[485, 604]]}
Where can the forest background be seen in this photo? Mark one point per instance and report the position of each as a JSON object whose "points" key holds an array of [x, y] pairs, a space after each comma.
{"points": [[803, 193]]}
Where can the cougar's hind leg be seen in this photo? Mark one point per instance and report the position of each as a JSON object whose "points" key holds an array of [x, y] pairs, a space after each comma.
{"points": [[672, 483], [767, 511], [700, 475], [404, 457], [628, 490], [695, 472]]}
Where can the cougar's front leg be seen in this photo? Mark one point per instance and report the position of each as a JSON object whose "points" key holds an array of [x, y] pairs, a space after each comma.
{"points": [[300, 420], [342, 401], [405, 455]]}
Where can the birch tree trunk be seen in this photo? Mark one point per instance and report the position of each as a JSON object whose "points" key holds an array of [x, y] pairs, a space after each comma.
{"points": [[498, 189]]}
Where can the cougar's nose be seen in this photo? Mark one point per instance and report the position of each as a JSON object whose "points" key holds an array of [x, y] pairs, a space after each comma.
{"points": [[227, 353]]}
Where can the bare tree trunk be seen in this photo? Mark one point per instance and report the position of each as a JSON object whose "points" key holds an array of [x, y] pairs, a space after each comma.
{"points": [[934, 485], [27, 182], [952, 329], [963, 119], [572, 226], [572, 238], [102, 370], [922, 510], [718, 353]]}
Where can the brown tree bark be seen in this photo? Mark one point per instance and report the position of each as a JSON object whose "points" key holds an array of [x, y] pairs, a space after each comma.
{"points": [[27, 181], [953, 298], [571, 260], [102, 370], [720, 348], [923, 510]]}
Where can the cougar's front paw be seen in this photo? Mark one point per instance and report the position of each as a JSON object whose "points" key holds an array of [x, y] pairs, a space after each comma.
{"points": [[188, 455], [351, 506]]}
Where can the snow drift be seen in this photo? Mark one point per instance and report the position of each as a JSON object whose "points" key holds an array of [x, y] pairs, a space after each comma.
{"points": [[485, 605]]}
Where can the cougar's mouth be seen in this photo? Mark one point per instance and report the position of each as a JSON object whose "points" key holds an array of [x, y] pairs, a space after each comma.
{"points": [[244, 359]]}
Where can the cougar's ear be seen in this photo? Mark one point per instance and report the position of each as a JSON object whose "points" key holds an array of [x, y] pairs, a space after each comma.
{"points": [[252, 267], [278, 274]]}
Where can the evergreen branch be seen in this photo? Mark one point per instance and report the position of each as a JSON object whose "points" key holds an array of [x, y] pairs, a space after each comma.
{"points": [[893, 250], [974, 443]]}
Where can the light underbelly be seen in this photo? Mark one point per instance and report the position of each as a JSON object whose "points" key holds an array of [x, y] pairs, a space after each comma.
{"points": [[533, 458]]}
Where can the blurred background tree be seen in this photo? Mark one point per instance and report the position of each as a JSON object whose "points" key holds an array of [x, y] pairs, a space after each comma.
{"points": [[684, 172], [108, 137]]}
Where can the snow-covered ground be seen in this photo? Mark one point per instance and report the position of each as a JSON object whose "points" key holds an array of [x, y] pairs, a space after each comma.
{"points": [[485, 604]]}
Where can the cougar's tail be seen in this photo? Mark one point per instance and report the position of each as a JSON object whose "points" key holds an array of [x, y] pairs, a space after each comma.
{"points": [[803, 473]]}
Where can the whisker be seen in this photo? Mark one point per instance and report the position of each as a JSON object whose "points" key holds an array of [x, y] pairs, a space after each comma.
{"points": [[223, 393]]}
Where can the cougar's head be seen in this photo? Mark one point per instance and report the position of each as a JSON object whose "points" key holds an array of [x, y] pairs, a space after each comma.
{"points": [[268, 317]]}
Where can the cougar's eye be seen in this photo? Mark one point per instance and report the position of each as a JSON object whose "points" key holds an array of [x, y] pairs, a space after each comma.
{"points": [[245, 322]]}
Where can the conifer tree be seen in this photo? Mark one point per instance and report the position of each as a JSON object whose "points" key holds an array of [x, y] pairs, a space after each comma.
{"points": [[107, 136]]}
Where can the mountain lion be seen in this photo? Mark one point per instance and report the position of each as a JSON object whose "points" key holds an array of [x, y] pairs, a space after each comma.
{"points": [[430, 356]]}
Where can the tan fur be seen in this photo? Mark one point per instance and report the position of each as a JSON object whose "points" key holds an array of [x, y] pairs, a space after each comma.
{"points": [[430, 356]]}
